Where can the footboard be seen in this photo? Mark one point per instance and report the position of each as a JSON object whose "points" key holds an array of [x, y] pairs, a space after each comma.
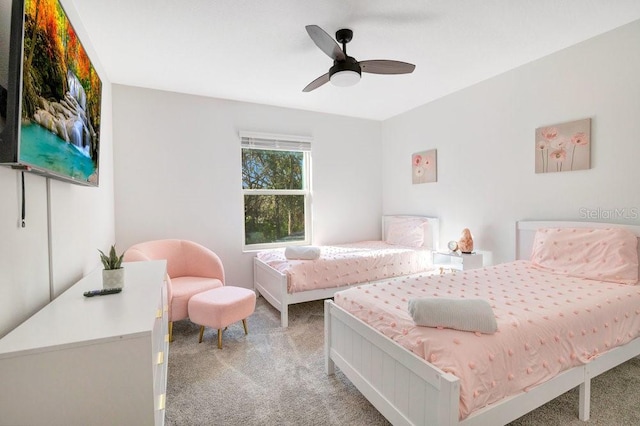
{"points": [[272, 285], [403, 387]]}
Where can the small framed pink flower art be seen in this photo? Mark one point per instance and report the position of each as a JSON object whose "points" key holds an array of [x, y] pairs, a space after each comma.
{"points": [[564, 147], [424, 167]]}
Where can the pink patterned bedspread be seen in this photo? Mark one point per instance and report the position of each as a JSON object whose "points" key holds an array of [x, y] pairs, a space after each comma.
{"points": [[348, 264], [547, 323]]}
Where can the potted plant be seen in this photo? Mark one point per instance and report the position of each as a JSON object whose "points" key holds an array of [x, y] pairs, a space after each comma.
{"points": [[113, 272]]}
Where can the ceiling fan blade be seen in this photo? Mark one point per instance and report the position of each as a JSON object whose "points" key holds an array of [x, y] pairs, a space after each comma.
{"points": [[383, 66], [324, 41], [317, 83]]}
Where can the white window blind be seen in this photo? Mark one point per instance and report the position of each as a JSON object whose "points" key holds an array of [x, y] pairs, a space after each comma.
{"points": [[275, 142]]}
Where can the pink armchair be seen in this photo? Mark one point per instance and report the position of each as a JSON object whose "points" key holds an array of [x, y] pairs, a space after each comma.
{"points": [[191, 269]]}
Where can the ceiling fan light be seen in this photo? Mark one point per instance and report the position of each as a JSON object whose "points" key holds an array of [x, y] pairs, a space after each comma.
{"points": [[345, 78]]}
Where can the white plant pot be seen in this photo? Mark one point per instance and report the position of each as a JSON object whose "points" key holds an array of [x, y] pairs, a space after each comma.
{"points": [[113, 278]]}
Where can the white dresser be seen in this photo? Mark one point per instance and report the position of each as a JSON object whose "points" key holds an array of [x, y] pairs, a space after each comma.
{"points": [[98, 360]]}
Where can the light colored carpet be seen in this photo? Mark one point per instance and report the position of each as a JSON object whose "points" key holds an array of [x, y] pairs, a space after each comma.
{"points": [[275, 376]]}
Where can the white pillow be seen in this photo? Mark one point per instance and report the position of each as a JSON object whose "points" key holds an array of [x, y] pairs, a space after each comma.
{"points": [[302, 252], [406, 232], [459, 314]]}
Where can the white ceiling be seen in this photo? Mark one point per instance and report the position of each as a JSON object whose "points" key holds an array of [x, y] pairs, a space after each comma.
{"points": [[258, 50]]}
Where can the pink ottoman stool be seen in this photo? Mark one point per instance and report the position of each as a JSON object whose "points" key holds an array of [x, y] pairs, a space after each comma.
{"points": [[220, 307]]}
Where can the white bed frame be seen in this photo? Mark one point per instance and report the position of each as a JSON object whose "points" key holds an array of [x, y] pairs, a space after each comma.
{"points": [[272, 284], [408, 390]]}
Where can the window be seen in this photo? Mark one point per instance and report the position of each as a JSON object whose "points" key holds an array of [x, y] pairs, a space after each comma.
{"points": [[276, 189]]}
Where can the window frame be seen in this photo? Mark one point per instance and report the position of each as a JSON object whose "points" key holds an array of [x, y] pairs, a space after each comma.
{"points": [[288, 143]]}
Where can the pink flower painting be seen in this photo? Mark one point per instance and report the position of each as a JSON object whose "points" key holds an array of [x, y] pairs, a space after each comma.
{"points": [[558, 156], [423, 167], [549, 133], [563, 147]]}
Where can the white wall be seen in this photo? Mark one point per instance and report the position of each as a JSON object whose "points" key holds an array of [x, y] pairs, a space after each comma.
{"points": [[178, 171], [485, 141], [24, 264], [79, 219]]}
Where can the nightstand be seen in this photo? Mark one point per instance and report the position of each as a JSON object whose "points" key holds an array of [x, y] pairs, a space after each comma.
{"points": [[457, 261]]}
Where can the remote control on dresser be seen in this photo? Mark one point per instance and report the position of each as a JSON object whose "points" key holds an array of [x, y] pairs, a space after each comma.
{"points": [[102, 292]]}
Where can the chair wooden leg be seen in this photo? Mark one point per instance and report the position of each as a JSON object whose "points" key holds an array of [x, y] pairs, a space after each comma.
{"points": [[170, 331], [219, 338], [244, 323], [201, 334]]}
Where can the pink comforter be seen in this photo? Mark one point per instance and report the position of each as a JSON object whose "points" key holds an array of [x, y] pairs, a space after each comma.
{"points": [[349, 264], [547, 323]]}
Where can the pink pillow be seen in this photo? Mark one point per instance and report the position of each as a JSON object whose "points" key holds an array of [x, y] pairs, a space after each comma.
{"points": [[406, 232], [609, 254]]}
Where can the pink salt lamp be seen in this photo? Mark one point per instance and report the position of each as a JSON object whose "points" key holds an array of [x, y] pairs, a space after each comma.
{"points": [[465, 244]]}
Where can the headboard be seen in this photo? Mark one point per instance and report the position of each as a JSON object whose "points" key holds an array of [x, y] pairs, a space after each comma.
{"points": [[432, 230], [526, 231]]}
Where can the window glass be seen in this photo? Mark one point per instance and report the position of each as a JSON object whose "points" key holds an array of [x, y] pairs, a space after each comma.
{"points": [[274, 218], [266, 169]]}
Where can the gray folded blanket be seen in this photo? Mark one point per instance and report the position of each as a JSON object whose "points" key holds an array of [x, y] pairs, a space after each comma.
{"points": [[302, 252], [459, 314]]}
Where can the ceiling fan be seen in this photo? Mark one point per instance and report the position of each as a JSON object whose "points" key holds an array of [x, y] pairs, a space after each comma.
{"points": [[346, 70]]}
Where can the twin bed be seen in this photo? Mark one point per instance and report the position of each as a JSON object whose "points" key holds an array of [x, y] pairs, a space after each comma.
{"points": [[567, 315], [406, 248]]}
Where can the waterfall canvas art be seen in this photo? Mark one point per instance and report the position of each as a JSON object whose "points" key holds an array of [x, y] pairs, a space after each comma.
{"points": [[563, 147], [61, 97], [424, 167]]}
